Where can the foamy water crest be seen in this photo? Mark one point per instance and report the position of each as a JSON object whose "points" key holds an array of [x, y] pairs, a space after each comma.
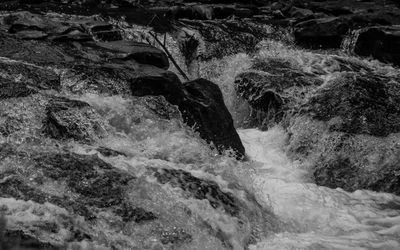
{"points": [[313, 217], [317, 217]]}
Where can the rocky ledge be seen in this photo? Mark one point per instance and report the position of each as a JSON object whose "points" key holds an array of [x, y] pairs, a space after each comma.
{"points": [[71, 87]]}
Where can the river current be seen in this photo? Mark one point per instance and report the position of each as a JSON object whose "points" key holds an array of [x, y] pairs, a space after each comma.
{"points": [[314, 217], [301, 214]]}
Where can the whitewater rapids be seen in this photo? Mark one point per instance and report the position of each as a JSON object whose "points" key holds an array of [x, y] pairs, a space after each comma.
{"points": [[316, 217]]}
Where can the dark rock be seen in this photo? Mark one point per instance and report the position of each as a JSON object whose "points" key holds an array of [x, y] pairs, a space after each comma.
{"points": [[38, 53], [205, 110], [300, 13], [9, 89], [140, 52], [109, 152], [28, 77], [108, 36], [382, 43], [322, 33], [13, 186], [137, 215], [97, 182], [25, 21], [221, 38], [365, 104], [32, 35], [197, 12], [272, 88], [154, 81], [161, 107], [199, 189], [71, 119], [72, 35], [341, 171], [207, 12], [108, 78], [17, 239], [175, 236]]}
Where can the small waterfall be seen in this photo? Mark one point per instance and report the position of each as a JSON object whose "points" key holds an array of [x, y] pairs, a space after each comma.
{"points": [[349, 42]]}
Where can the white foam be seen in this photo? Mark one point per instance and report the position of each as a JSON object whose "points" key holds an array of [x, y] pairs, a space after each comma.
{"points": [[317, 217]]}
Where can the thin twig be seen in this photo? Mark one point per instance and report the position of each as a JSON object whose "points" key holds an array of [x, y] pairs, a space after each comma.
{"points": [[170, 56]]}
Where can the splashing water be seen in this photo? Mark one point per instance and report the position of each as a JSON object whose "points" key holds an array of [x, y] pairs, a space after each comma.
{"points": [[314, 217], [289, 209], [317, 217]]}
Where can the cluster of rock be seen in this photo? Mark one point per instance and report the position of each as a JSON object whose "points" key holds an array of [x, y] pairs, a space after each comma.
{"points": [[366, 28], [47, 63], [345, 127]]}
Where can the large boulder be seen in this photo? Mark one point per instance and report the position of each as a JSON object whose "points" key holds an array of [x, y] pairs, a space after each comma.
{"points": [[205, 110], [358, 104], [380, 42], [322, 33], [155, 81], [348, 131], [272, 88]]}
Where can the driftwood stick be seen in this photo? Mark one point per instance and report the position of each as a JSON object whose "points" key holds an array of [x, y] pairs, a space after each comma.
{"points": [[170, 56]]}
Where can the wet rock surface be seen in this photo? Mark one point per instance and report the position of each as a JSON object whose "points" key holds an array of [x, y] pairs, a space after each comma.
{"points": [[273, 88], [80, 101], [380, 42], [93, 116], [204, 109], [199, 189], [361, 104]]}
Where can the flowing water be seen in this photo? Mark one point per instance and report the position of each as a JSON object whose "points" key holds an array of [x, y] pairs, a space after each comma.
{"points": [[276, 194], [305, 215], [317, 217], [314, 217]]}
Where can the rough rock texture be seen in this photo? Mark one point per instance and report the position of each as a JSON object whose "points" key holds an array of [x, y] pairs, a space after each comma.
{"points": [[272, 88], [216, 39], [71, 119], [348, 130], [359, 104], [322, 33], [152, 81], [380, 42], [91, 135], [199, 189], [205, 110], [332, 20]]}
